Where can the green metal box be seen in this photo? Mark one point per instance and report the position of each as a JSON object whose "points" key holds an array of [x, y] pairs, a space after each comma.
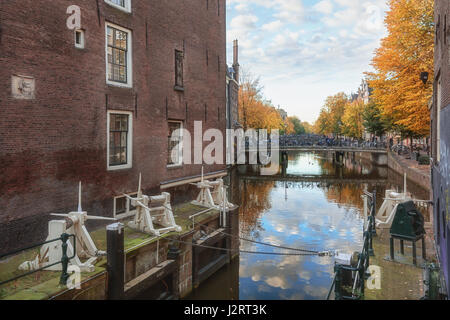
{"points": [[408, 222]]}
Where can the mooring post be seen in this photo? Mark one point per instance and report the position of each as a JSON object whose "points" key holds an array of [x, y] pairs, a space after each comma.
{"points": [[116, 261], [174, 253], [64, 260]]}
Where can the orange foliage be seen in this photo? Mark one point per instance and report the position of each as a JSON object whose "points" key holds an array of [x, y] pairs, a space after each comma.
{"points": [[407, 51], [254, 111], [255, 201]]}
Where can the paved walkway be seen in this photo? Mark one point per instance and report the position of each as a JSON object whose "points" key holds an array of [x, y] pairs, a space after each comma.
{"points": [[418, 174], [399, 280], [413, 164]]}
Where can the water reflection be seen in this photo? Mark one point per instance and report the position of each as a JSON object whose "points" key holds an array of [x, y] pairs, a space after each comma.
{"points": [[307, 219], [322, 164], [314, 215]]}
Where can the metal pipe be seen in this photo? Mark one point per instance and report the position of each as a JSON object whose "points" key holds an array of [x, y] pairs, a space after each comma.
{"points": [[201, 212]]}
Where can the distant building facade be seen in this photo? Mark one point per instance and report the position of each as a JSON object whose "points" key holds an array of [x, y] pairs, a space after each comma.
{"points": [[283, 113], [363, 94], [98, 103], [440, 136]]}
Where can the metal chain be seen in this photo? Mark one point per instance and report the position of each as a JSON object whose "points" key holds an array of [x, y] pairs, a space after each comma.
{"points": [[242, 251], [312, 252]]}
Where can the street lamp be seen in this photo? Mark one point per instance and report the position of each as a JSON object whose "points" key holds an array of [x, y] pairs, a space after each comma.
{"points": [[424, 77]]}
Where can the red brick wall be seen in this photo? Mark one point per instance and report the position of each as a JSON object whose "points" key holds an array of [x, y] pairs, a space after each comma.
{"points": [[50, 143]]}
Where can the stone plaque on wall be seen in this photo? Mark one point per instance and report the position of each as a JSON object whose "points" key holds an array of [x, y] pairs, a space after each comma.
{"points": [[22, 87]]}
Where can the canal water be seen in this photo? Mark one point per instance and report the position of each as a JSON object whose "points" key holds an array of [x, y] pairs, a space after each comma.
{"points": [[316, 205]]}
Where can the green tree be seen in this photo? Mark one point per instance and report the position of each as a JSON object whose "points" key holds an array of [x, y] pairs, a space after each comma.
{"points": [[298, 126], [374, 122]]}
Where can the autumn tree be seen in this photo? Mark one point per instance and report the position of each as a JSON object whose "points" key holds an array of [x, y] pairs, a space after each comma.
{"points": [[352, 120], [321, 126], [288, 127], [249, 94], [254, 110], [330, 118], [255, 201], [307, 126], [403, 55]]}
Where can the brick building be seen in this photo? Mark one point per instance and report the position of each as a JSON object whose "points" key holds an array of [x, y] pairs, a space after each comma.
{"points": [[97, 104], [440, 133]]}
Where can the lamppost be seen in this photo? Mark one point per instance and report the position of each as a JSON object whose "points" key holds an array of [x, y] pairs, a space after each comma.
{"points": [[424, 77]]}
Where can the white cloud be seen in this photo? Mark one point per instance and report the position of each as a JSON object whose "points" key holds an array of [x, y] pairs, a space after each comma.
{"points": [[272, 26], [290, 10], [325, 6], [304, 53], [244, 23], [241, 7]]}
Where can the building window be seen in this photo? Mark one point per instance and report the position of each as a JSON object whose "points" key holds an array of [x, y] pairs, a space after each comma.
{"points": [[118, 53], [79, 39], [119, 140], [120, 205], [123, 207], [175, 144], [179, 56], [124, 5]]}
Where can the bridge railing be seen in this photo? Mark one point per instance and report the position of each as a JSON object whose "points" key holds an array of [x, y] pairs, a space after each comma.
{"points": [[64, 259], [359, 272], [332, 144]]}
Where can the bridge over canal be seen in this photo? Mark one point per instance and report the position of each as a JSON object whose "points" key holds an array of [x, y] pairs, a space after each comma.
{"points": [[377, 155], [334, 149], [314, 179]]}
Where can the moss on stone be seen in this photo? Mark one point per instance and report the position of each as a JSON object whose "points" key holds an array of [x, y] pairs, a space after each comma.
{"points": [[44, 284], [44, 290]]}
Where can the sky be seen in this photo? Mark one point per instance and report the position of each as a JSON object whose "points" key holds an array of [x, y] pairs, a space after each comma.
{"points": [[305, 50]]}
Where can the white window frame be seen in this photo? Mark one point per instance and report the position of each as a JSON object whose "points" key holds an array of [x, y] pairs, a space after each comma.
{"points": [[82, 39], [129, 83], [128, 213], [180, 145], [129, 164], [127, 7]]}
